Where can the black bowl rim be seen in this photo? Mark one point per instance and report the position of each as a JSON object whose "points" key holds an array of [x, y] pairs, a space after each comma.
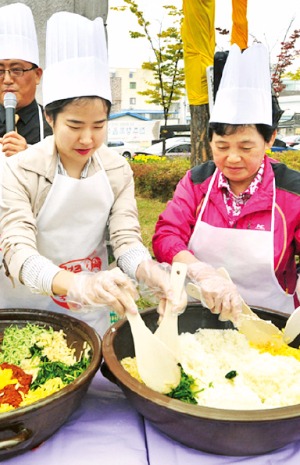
{"points": [[78, 382], [206, 413]]}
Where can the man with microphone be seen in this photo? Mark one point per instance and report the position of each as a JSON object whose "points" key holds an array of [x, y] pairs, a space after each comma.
{"points": [[20, 75]]}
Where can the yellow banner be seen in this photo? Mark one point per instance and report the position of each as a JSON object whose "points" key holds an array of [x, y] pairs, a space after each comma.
{"points": [[198, 36]]}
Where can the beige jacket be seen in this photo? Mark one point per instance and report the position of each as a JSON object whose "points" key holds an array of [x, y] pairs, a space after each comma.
{"points": [[27, 179]]}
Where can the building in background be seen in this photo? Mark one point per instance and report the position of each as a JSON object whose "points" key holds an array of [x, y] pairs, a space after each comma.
{"points": [[133, 128], [129, 107], [138, 122], [133, 119], [126, 84], [289, 101]]}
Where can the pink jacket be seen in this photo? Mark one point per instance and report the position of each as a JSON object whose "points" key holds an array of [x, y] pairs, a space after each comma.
{"points": [[175, 225]]}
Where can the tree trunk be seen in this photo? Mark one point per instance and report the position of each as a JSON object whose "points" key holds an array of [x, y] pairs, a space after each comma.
{"points": [[200, 151]]}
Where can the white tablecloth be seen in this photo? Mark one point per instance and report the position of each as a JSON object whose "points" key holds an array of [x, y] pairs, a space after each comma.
{"points": [[106, 430]]}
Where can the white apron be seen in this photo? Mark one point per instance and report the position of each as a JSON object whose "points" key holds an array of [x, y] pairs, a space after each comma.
{"points": [[71, 232], [248, 255]]}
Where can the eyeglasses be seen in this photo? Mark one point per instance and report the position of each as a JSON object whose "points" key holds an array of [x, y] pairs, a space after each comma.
{"points": [[15, 72]]}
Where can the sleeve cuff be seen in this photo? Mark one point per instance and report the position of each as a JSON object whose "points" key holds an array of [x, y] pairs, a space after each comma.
{"points": [[130, 260], [37, 274]]}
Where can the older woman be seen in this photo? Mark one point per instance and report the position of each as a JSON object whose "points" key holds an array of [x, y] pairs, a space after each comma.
{"points": [[240, 211]]}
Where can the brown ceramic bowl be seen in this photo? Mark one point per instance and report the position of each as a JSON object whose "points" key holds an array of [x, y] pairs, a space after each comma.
{"points": [[26, 427], [218, 431]]}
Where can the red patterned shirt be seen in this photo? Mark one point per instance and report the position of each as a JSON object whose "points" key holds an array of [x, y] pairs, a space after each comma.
{"points": [[234, 203]]}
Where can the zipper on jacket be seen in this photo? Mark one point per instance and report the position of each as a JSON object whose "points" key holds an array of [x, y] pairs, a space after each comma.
{"points": [[285, 282]]}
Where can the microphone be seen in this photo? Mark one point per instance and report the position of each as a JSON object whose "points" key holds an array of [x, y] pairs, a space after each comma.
{"points": [[10, 103]]}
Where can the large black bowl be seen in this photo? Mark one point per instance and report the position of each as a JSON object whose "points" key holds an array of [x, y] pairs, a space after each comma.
{"points": [[219, 431], [26, 427]]}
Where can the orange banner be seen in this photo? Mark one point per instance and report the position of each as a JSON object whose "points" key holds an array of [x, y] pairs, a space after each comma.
{"points": [[239, 33]]}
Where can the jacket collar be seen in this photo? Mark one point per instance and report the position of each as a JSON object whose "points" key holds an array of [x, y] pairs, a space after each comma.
{"points": [[40, 158], [263, 198], [25, 113]]}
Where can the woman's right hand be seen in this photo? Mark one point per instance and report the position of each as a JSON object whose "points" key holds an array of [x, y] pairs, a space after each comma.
{"points": [[110, 288]]}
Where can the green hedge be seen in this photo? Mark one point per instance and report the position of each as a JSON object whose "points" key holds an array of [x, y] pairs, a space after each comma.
{"points": [[157, 177], [291, 158]]}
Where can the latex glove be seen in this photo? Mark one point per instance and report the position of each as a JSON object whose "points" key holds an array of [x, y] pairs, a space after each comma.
{"points": [[105, 288], [220, 295], [298, 288], [157, 278]]}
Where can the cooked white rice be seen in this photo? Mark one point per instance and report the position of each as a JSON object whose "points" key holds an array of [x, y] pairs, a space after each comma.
{"points": [[263, 380]]}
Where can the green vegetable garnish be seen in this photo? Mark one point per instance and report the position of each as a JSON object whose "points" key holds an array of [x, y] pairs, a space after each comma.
{"points": [[185, 391], [24, 344], [231, 374], [49, 370]]}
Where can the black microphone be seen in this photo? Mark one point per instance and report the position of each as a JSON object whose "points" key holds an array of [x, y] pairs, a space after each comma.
{"points": [[10, 103]]}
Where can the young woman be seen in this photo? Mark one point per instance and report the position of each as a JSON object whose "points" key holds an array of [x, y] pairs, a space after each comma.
{"points": [[64, 197]]}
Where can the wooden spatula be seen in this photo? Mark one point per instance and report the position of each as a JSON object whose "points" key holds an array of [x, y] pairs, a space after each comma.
{"points": [[157, 365], [167, 331], [292, 327], [255, 329]]}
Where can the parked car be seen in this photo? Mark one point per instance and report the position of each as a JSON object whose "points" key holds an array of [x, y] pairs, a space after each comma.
{"points": [[124, 149], [280, 146], [181, 146], [175, 146], [291, 141]]}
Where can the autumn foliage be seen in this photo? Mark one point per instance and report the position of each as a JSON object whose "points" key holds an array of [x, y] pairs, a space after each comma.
{"points": [[286, 57]]}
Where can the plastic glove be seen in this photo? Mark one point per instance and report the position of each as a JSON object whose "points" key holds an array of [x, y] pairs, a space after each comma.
{"points": [[220, 295], [157, 277], [110, 288]]}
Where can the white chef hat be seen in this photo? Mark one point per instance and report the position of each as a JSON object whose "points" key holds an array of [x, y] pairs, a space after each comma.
{"points": [[17, 34], [244, 95], [76, 58]]}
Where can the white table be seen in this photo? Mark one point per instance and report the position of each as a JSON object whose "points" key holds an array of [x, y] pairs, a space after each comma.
{"points": [[107, 430]]}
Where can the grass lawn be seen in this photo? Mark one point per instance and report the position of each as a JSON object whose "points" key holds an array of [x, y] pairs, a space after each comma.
{"points": [[149, 210]]}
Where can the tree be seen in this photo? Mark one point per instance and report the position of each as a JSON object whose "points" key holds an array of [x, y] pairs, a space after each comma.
{"points": [[168, 74], [293, 76], [286, 57]]}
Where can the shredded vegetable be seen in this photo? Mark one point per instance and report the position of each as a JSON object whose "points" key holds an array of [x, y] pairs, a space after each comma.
{"points": [[35, 362]]}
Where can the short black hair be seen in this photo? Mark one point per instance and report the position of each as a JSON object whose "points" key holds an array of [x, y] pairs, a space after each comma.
{"points": [[54, 108], [226, 129]]}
